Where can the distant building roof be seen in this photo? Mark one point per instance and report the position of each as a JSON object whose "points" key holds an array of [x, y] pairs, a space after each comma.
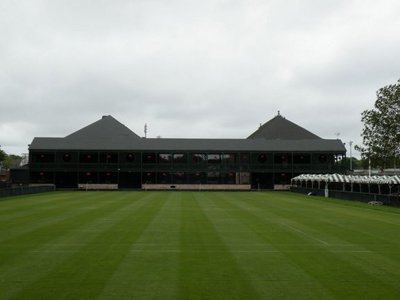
{"points": [[193, 145], [109, 134], [282, 129], [105, 133], [105, 128]]}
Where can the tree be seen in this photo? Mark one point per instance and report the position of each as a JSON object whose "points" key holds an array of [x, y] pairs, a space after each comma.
{"points": [[355, 163], [7, 160], [381, 132], [3, 156]]}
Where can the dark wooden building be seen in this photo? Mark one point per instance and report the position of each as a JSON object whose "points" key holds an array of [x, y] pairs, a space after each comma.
{"points": [[107, 152]]}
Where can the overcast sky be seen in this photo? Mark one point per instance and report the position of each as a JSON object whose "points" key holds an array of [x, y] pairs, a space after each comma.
{"points": [[208, 68]]}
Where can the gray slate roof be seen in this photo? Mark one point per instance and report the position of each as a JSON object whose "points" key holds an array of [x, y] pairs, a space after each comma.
{"points": [[109, 134], [105, 128], [283, 129], [106, 133], [243, 145]]}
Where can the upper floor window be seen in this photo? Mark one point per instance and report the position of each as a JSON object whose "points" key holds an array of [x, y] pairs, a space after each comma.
{"points": [[67, 157], [130, 157], [199, 157], [244, 158], [282, 158], [302, 158], [88, 157], [44, 157], [228, 158], [164, 157], [149, 158], [109, 157], [262, 158], [179, 158], [323, 158]]}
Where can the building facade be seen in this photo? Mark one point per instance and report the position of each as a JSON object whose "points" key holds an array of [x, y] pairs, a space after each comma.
{"points": [[107, 152]]}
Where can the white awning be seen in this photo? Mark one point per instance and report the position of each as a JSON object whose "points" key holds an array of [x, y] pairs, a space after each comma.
{"points": [[339, 178]]}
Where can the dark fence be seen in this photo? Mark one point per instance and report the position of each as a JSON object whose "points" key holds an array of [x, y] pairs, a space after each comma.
{"points": [[25, 189], [392, 200]]}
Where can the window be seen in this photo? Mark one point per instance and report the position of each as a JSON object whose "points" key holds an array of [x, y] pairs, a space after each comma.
{"points": [[199, 157], [149, 158], [43, 157], [179, 158], [149, 178], [109, 158], [130, 157], [262, 158], [66, 157], [213, 158], [283, 158], [198, 178], [179, 177], [164, 158], [229, 158], [88, 157], [244, 158], [213, 177], [302, 158], [164, 178], [228, 178], [322, 158]]}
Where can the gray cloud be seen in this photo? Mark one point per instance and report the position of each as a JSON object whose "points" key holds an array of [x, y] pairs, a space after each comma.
{"points": [[192, 68]]}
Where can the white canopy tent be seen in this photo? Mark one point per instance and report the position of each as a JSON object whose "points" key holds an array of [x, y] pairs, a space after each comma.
{"points": [[389, 181]]}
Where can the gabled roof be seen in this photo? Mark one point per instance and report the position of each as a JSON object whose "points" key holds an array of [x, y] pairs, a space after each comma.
{"points": [[105, 128], [105, 133], [282, 129], [109, 134]]}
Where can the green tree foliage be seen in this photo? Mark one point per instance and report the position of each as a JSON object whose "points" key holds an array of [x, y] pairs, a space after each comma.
{"points": [[355, 163], [6, 160], [3, 156], [381, 132]]}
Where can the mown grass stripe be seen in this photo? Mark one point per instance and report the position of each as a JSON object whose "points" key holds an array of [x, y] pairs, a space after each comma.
{"points": [[53, 206], [184, 245], [69, 280], [35, 231], [325, 266], [347, 227], [268, 269], [147, 274], [205, 274], [30, 265], [25, 203]]}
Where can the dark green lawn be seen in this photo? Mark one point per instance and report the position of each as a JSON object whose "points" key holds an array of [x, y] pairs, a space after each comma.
{"points": [[196, 245]]}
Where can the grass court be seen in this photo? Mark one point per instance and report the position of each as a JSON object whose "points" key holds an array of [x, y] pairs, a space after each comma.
{"points": [[196, 245]]}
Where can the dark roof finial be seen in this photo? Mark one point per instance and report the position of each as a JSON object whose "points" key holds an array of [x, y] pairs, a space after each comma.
{"points": [[279, 112]]}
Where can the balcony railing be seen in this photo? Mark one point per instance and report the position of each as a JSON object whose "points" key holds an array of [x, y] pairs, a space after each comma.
{"points": [[186, 167]]}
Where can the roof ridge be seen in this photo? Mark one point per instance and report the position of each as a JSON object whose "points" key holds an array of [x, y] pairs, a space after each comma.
{"points": [[281, 128], [107, 125]]}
